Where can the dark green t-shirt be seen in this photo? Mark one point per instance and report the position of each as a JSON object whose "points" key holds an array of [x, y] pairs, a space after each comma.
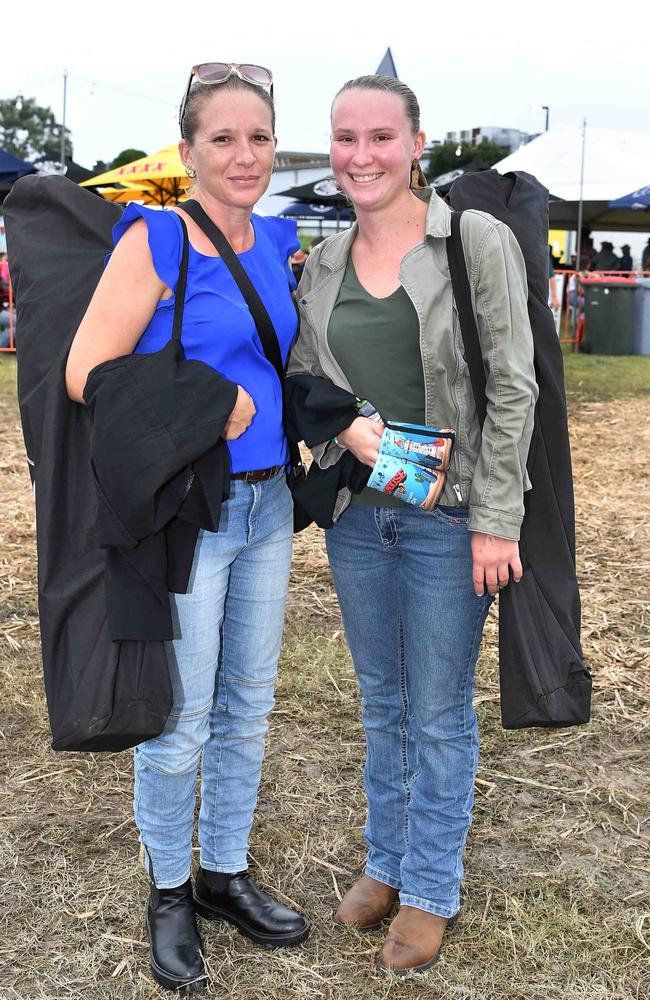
{"points": [[376, 342]]}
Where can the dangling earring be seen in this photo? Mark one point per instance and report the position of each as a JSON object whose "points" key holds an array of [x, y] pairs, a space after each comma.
{"points": [[418, 180], [191, 172]]}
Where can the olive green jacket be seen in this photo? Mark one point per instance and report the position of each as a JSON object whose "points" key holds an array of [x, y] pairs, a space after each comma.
{"points": [[488, 470]]}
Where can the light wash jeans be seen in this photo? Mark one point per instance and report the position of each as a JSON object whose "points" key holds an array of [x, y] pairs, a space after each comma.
{"points": [[223, 666], [413, 623]]}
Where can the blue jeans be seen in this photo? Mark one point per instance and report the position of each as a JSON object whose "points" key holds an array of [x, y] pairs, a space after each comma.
{"points": [[413, 623], [223, 666]]}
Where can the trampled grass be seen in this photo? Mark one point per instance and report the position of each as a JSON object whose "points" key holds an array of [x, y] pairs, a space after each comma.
{"points": [[557, 888]]}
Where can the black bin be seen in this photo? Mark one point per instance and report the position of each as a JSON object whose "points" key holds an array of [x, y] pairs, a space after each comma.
{"points": [[609, 315]]}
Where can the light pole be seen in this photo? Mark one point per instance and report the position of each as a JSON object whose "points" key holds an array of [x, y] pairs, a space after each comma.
{"points": [[546, 109], [580, 202], [65, 95]]}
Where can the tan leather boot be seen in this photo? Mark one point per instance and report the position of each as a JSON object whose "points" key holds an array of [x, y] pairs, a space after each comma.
{"points": [[366, 904], [413, 942]]}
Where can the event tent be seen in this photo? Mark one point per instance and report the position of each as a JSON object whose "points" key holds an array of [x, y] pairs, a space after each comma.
{"points": [[324, 191], [11, 168], [638, 200], [162, 174], [615, 164], [326, 213]]}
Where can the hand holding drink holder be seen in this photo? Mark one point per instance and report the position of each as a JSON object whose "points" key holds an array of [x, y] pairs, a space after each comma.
{"points": [[412, 463]]}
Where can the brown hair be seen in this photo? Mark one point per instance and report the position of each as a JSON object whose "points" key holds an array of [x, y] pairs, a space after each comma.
{"points": [[200, 94], [390, 85]]}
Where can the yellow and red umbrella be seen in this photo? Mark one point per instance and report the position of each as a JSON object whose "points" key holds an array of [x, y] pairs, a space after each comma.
{"points": [[159, 178], [122, 195]]}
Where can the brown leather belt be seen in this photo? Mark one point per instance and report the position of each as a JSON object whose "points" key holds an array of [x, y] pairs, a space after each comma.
{"points": [[258, 475]]}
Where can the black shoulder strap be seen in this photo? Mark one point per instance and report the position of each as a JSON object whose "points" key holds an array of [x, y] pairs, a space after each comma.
{"points": [[179, 304], [262, 320], [468, 328]]}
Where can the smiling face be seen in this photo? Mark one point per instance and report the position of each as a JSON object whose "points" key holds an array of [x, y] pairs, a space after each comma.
{"points": [[233, 148], [373, 146]]}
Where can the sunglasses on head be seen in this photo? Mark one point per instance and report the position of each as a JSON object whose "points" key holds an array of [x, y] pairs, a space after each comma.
{"points": [[219, 72]]}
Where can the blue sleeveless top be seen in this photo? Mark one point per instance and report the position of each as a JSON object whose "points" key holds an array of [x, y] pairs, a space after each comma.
{"points": [[217, 325]]}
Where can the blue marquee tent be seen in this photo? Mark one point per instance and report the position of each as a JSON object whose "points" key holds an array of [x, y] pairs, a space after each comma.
{"points": [[11, 168], [324, 212], [638, 199]]}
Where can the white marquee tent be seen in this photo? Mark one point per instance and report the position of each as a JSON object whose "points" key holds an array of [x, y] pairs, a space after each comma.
{"points": [[615, 164]]}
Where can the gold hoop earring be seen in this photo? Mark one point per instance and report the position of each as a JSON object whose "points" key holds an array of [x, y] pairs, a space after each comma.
{"points": [[191, 172]]}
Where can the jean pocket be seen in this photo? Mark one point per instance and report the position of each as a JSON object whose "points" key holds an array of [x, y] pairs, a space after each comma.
{"points": [[452, 515]]}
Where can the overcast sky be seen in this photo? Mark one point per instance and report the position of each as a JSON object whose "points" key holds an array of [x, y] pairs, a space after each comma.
{"points": [[470, 63]]}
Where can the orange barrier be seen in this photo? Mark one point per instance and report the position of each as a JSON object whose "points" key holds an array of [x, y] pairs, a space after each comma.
{"points": [[572, 321]]}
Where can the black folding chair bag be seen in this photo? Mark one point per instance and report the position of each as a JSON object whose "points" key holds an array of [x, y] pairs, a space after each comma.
{"points": [[543, 678], [101, 695]]}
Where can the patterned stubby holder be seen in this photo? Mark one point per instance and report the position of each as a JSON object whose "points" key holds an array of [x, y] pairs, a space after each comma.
{"points": [[425, 446], [408, 482]]}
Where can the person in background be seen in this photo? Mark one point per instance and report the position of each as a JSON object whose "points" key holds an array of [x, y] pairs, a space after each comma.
{"points": [[4, 278], [414, 585], [554, 300], [605, 259], [7, 318], [298, 263], [625, 261], [645, 257], [587, 255], [223, 660]]}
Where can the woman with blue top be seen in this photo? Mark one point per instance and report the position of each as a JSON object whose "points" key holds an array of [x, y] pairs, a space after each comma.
{"points": [[229, 624]]}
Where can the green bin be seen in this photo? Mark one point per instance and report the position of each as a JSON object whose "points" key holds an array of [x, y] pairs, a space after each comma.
{"points": [[609, 315]]}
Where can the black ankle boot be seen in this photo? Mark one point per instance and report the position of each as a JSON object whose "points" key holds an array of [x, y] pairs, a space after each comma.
{"points": [[175, 945], [257, 915]]}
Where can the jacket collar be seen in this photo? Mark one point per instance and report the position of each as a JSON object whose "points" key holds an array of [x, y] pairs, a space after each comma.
{"points": [[438, 220], [336, 251]]}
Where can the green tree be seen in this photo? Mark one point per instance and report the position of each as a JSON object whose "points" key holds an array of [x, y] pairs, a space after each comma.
{"points": [[29, 131], [443, 157], [126, 156]]}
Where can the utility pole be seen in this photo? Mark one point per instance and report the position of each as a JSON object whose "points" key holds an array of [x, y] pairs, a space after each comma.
{"points": [[65, 95], [546, 109], [580, 202]]}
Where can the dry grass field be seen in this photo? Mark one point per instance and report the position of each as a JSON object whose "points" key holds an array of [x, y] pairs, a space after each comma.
{"points": [[557, 891]]}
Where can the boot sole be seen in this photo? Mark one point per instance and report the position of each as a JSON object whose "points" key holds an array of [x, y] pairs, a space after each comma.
{"points": [[209, 912], [184, 987], [414, 970]]}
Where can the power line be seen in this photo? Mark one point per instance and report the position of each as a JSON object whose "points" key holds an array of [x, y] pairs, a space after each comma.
{"points": [[42, 83], [121, 90]]}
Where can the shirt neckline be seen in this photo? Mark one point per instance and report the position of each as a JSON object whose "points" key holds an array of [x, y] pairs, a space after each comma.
{"points": [[373, 298], [212, 256]]}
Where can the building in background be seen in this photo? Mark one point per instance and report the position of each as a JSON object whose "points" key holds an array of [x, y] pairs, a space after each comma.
{"points": [[512, 138]]}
